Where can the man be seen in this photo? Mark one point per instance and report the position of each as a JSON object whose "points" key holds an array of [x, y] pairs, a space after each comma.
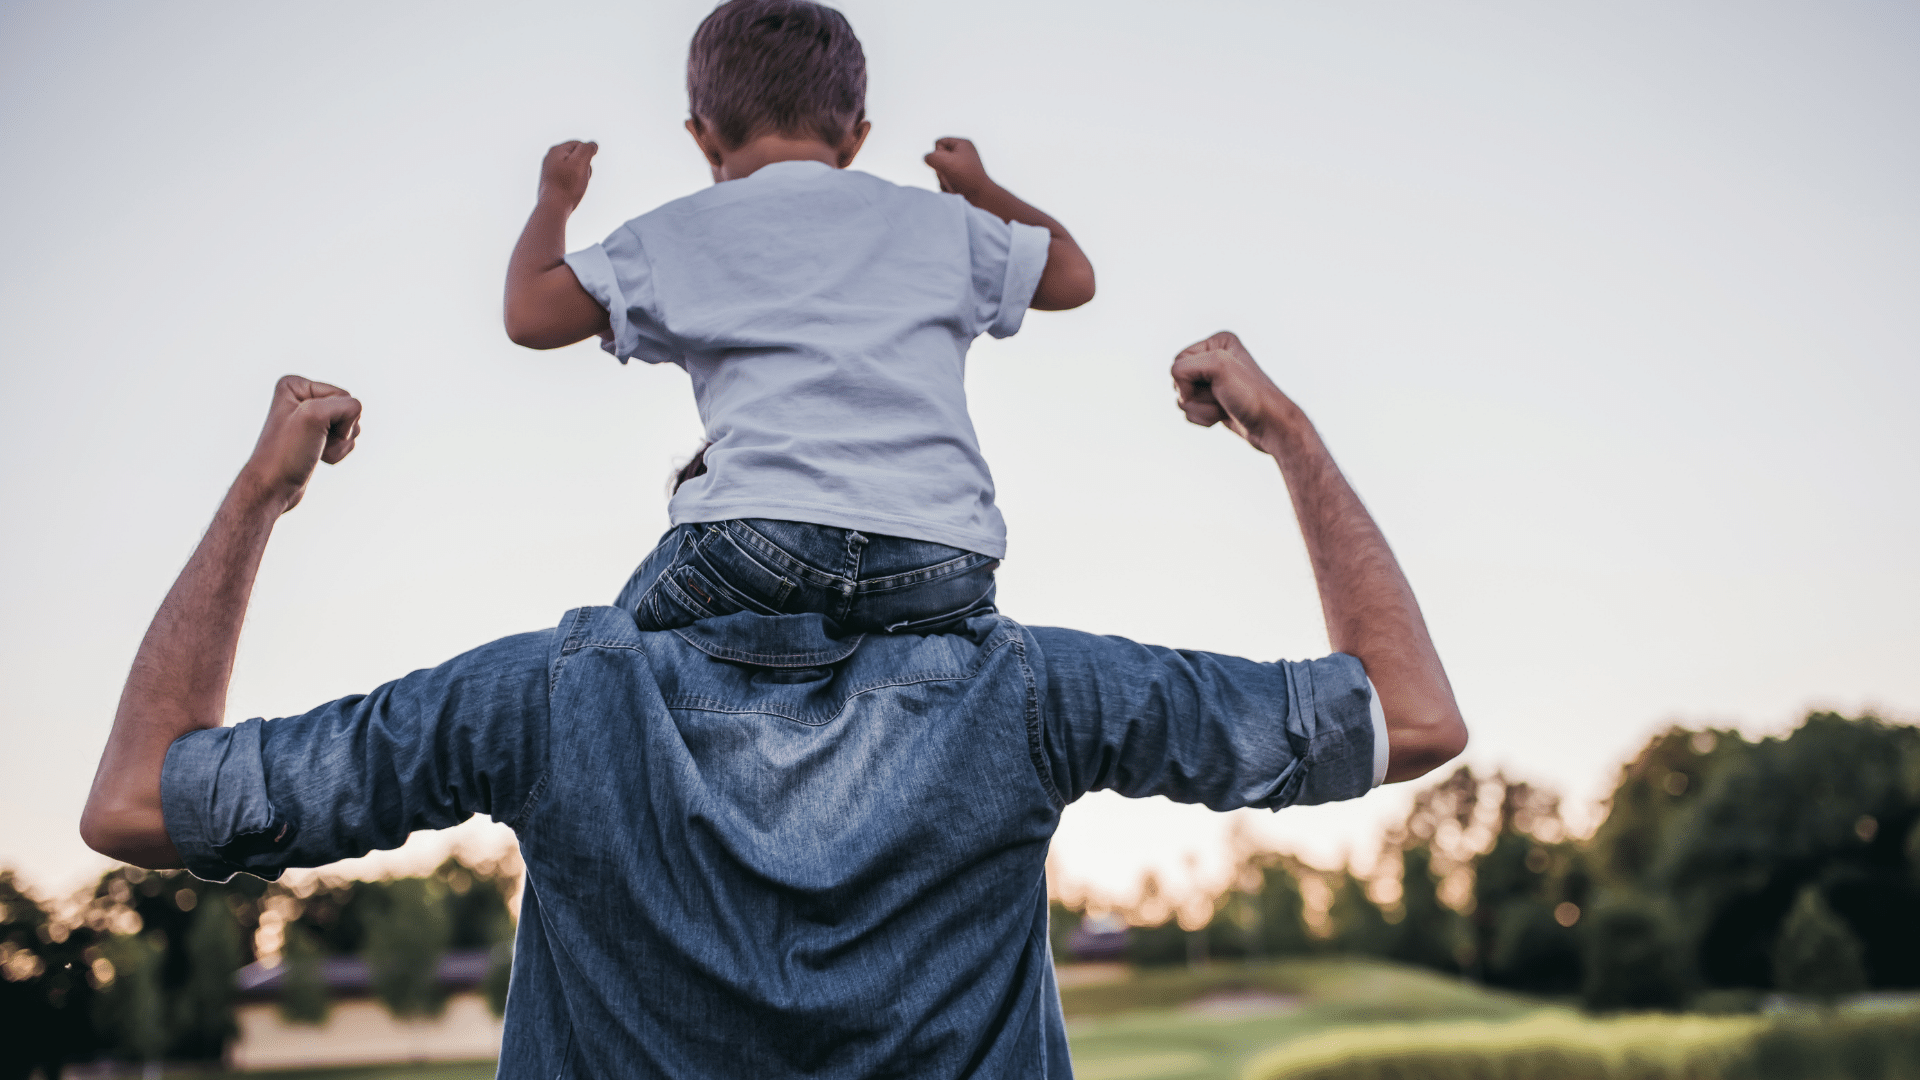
{"points": [[753, 847]]}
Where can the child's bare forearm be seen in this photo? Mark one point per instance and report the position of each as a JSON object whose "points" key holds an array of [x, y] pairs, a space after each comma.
{"points": [[1007, 206]]}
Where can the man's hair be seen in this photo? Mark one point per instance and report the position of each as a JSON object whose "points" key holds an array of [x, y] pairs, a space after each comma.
{"points": [[788, 67]]}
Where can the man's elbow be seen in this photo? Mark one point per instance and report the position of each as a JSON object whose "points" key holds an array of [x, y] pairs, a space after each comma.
{"points": [[128, 835], [1416, 749]]}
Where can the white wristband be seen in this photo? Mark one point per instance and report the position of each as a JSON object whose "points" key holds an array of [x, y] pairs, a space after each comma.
{"points": [[1379, 734]]}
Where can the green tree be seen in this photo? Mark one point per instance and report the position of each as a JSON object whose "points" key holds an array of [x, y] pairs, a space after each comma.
{"points": [[1359, 926], [405, 940], [202, 1008], [499, 978], [1630, 958], [1282, 924], [1832, 802], [477, 914], [1157, 946], [131, 1013], [1233, 932], [303, 990], [478, 917], [45, 999], [1533, 951], [1062, 921], [1817, 955], [1655, 795], [1430, 932]]}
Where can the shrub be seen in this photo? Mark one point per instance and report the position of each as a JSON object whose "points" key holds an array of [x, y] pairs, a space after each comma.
{"points": [[1532, 951], [1157, 946], [1854, 1047], [1817, 955], [1554, 1045], [1546, 1046], [1632, 959], [303, 992], [403, 947]]}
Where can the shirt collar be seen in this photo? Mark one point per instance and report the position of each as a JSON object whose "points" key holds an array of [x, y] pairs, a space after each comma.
{"points": [[777, 641]]}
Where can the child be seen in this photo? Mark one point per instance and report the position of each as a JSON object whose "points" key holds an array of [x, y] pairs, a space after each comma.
{"points": [[824, 317]]}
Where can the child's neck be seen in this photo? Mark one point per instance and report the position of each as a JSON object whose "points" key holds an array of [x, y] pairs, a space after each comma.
{"points": [[763, 150]]}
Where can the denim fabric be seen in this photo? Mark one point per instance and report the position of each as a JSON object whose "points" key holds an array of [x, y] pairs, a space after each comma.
{"points": [[861, 583], [755, 848]]}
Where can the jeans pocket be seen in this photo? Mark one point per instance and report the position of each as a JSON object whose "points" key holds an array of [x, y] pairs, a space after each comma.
{"points": [[673, 547], [683, 596], [749, 578]]}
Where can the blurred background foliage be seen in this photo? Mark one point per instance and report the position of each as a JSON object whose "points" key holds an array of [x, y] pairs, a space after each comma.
{"points": [[142, 967], [1724, 869]]}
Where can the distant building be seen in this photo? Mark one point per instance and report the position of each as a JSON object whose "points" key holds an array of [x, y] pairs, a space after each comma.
{"points": [[359, 1030], [1098, 938]]}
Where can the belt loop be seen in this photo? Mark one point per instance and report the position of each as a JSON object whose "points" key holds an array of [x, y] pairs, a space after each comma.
{"points": [[856, 545]]}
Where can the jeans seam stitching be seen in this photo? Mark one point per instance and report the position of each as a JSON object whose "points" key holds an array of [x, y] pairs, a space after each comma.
{"points": [[1036, 745]]}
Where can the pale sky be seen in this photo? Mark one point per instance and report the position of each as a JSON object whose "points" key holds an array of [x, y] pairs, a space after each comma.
{"points": [[1611, 311]]}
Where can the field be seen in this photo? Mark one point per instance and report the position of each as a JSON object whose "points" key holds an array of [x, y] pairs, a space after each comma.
{"points": [[1206, 1024], [1363, 1020], [1176, 1024]]}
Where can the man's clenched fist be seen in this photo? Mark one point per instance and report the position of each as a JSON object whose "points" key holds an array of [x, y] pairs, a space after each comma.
{"points": [[1219, 382], [308, 422]]}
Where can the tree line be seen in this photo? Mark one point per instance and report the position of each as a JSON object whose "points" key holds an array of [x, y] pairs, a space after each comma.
{"points": [[143, 968], [1725, 869]]}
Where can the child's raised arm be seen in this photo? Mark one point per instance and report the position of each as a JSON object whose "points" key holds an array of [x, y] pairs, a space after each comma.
{"points": [[546, 307], [1067, 282]]}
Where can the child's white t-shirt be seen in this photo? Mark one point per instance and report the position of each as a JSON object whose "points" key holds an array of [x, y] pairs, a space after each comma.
{"points": [[824, 317]]}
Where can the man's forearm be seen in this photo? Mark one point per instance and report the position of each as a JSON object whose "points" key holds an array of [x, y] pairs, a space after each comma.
{"points": [[1370, 609], [178, 684], [179, 679]]}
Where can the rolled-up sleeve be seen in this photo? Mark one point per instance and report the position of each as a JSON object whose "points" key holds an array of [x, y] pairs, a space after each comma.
{"points": [[618, 275], [1008, 259], [1200, 727], [426, 751]]}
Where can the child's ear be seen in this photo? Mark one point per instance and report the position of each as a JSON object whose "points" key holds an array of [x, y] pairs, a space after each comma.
{"points": [[850, 146], [703, 140]]}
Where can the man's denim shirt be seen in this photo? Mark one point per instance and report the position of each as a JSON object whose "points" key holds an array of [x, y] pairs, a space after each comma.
{"points": [[755, 850]]}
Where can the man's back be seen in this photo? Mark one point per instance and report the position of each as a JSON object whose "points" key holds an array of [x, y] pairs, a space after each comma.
{"points": [[781, 838], [753, 849]]}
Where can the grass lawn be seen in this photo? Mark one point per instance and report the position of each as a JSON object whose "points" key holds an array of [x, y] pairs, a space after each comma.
{"points": [[444, 1070], [1177, 1023], [1205, 1024]]}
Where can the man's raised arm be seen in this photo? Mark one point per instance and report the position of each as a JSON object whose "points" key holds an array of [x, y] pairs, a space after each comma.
{"points": [[1370, 609], [179, 679]]}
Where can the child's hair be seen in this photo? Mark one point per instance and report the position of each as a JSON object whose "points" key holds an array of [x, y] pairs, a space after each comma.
{"points": [[789, 67], [696, 466]]}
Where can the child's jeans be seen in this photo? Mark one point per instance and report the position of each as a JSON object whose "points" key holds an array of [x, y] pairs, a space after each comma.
{"points": [[862, 583]]}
